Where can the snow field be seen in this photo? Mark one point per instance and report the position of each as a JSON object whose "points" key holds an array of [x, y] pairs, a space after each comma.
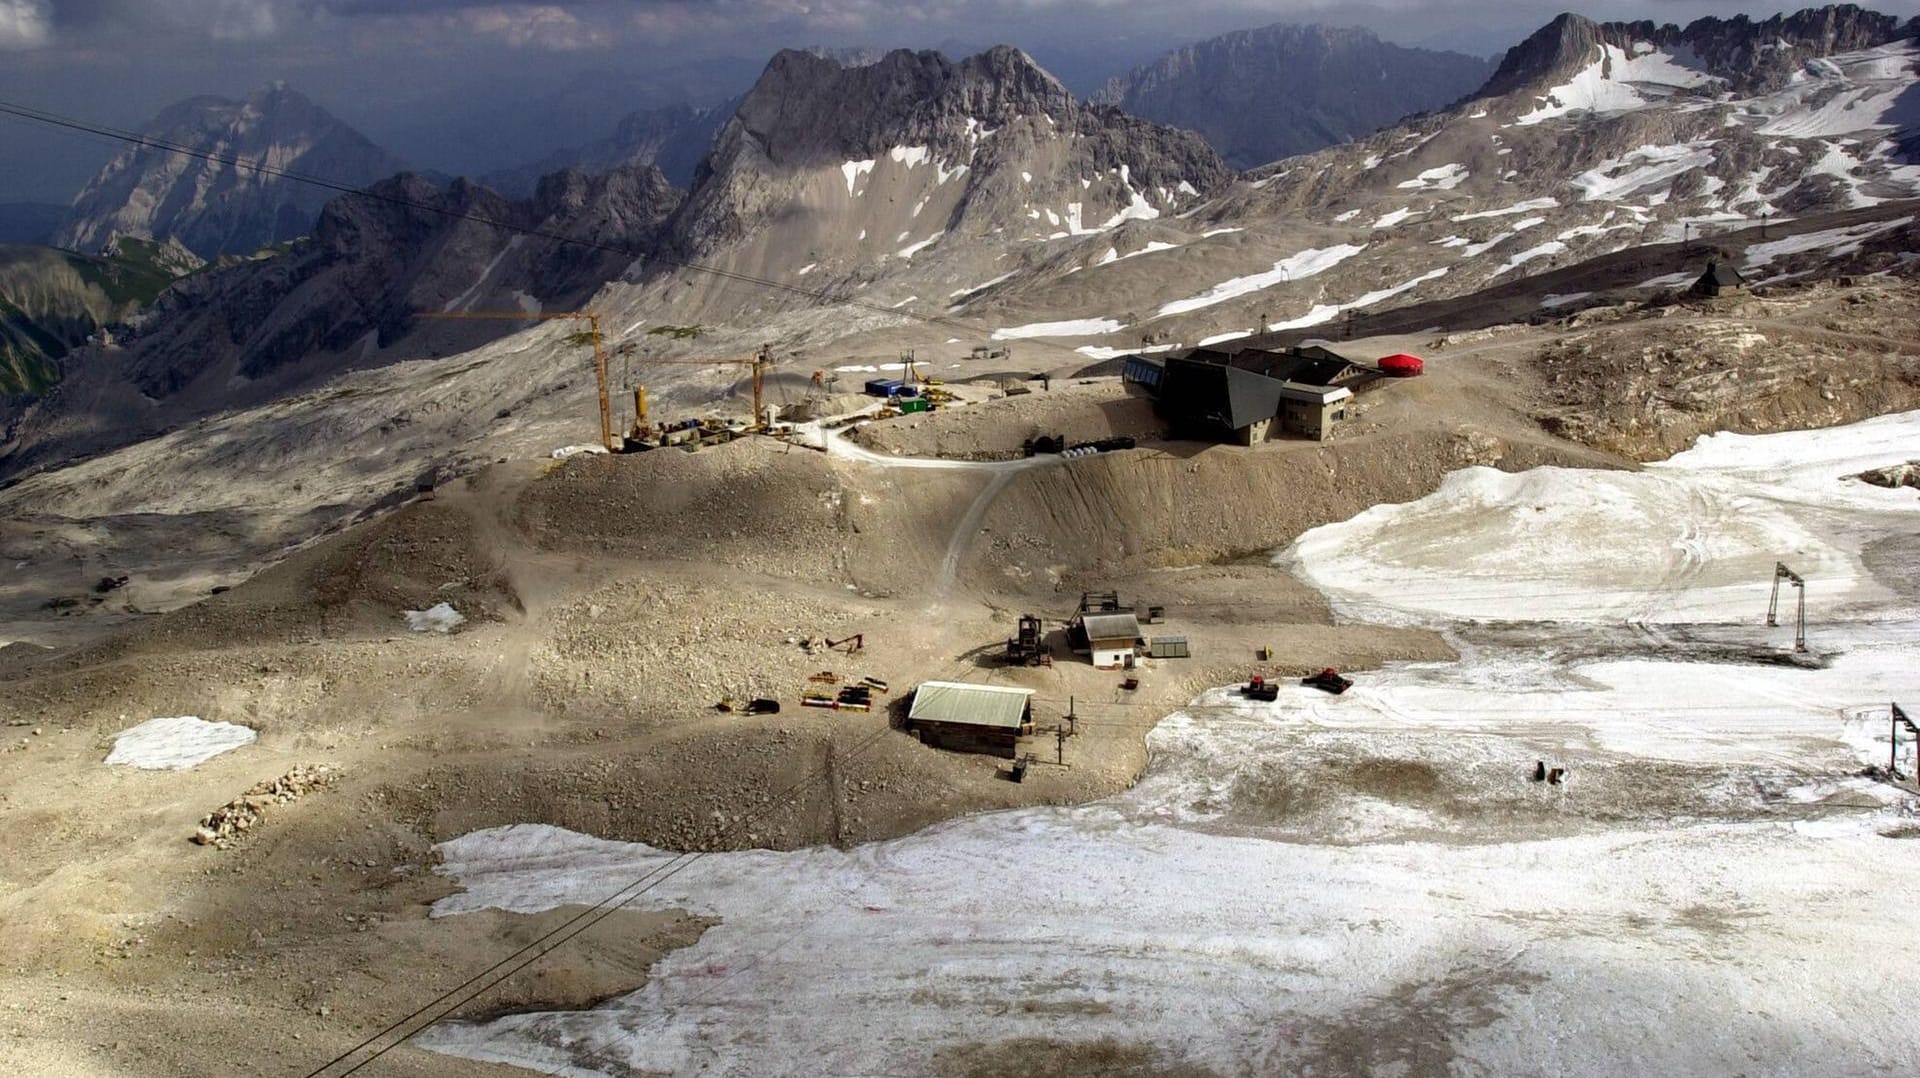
{"points": [[1621, 80], [1352, 884], [176, 743], [1294, 267]]}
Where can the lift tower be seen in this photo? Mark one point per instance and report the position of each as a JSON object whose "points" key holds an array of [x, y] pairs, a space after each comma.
{"points": [[1781, 572]]}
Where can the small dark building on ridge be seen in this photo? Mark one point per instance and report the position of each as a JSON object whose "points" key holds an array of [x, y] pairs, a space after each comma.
{"points": [[1719, 278]]}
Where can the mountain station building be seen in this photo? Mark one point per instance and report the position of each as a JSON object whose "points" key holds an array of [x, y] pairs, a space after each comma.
{"points": [[1250, 396]]}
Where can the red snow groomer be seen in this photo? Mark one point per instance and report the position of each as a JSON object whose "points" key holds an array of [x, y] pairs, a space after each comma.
{"points": [[1328, 680]]}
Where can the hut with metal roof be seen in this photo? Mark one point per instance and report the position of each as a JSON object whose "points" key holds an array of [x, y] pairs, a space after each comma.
{"points": [[1109, 638], [965, 717]]}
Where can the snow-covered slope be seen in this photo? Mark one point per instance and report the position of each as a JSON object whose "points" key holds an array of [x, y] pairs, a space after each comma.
{"points": [[1591, 139]]}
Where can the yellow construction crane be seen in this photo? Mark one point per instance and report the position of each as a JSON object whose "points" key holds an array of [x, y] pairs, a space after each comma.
{"points": [[759, 362], [591, 336]]}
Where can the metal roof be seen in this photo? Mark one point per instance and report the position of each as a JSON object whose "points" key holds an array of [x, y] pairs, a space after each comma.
{"points": [[1111, 626], [973, 705], [1294, 391]]}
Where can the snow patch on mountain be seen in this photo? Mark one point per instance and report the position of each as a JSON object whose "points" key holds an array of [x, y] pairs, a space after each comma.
{"points": [[854, 170], [1078, 327], [1618, 177], [1442, 178], [1292, 268], [1622, 80]]}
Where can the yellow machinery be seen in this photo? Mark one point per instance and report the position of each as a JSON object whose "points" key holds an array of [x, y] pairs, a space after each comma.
{"points": [[759, 362], [591, 336]]}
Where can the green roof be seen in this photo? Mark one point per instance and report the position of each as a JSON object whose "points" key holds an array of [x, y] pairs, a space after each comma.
{"points": [[973, 705]]}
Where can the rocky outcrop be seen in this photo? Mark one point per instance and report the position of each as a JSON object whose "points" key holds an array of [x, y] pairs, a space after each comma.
{"points": [[345, 298], [1261, 95], [212, 207], [990, 113], [1750, 57]]}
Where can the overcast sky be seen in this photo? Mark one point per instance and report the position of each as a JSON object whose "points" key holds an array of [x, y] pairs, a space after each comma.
{"points": [[465, 85]]}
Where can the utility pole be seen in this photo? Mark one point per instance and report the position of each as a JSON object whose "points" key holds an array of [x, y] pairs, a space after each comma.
{"points": [[1898, 720]]}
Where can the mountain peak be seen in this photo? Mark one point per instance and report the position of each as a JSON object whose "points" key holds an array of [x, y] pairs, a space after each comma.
{"points": [[808, 108], [209, 207], [1262, 94]]}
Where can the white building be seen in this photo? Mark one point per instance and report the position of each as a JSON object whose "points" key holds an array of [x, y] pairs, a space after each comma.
{"points": [[1109, 638]]}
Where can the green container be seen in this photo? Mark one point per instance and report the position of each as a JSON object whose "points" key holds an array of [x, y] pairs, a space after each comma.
{"points": [[916, 404]]}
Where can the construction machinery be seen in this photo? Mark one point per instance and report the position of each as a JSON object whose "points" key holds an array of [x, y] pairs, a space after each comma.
{"points": [[1258, 687], [1029, 648], [643, 434], [591, 336], [641, 430]]}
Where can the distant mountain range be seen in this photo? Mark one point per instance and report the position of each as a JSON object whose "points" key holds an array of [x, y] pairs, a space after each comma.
{"points": [[213, 208], [845, 199], [674, 138], [1261, 95]]}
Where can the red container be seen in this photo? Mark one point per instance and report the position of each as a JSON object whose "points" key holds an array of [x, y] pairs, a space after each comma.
{"points": [[1402, 365]]}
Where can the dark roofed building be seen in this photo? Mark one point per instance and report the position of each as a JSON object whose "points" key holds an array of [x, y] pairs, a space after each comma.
{"points": [[1719, 278], [1248, 395]]}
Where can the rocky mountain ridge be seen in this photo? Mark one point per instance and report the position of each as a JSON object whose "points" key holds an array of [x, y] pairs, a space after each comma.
{"points": [[1749, 57], [1283, 90], [347, 297], [845, 208], [849, 173], [214, 208], [54, 301]]}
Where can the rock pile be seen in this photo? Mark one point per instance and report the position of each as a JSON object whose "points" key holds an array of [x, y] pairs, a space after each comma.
{"points": [[1893, 476], [224, 825]]}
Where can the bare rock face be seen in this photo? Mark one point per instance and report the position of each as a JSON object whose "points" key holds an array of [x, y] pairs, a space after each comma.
{"points": [[1749, 57], [1261, 95], [982, 120], [213, 208], [345, 298]]}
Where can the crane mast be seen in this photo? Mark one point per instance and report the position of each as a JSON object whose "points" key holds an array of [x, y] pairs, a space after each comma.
{"points": [[592, 335]]}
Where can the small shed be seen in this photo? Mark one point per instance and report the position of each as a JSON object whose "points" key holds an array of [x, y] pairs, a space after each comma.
{"points": [[1110, 639], [1719, 278], [1169, 647], [964, 717]]}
